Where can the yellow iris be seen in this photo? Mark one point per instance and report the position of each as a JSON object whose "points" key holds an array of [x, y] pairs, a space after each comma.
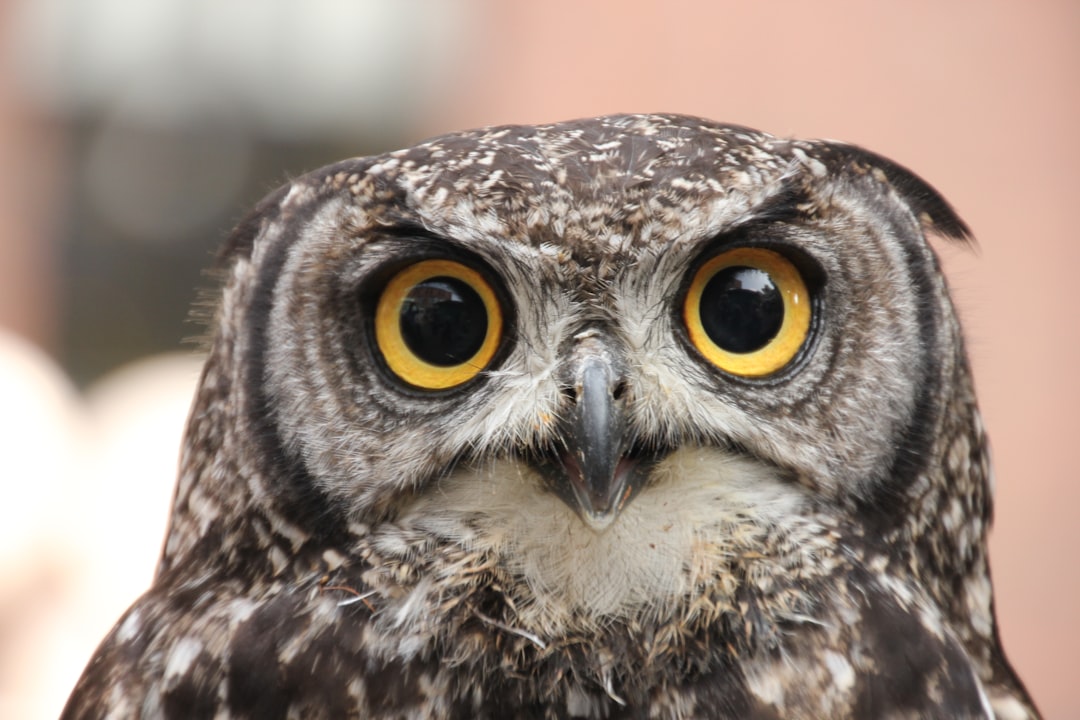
{"points": [[748, 311], [438, 324]]}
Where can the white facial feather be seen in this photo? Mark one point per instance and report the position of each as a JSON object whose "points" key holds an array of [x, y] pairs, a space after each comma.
{"points": [[701, 505]]}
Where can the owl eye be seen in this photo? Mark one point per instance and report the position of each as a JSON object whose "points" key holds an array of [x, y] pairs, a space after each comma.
{"points": [[437, 324], [748, 311]]}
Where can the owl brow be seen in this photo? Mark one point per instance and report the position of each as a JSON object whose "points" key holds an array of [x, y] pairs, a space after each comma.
{"points": [[404, 228], [431, 240], [787, 203]]}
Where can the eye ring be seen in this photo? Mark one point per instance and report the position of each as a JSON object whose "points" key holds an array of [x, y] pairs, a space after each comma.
{"points": [[748, 344], [428, 306]]}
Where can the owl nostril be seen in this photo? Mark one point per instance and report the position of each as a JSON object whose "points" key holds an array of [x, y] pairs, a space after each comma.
{"points": [[619, 390], [573, 394], [569, 393]]}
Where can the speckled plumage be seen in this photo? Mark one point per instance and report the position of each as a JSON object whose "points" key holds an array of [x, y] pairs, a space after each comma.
{"points": [[808, 544]]}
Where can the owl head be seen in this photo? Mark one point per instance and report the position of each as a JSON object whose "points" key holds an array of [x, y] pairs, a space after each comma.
{"points": [[640, 411], [586, 328]]}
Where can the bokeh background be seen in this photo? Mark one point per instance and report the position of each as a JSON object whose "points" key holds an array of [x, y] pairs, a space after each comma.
{"points": [[133, 134]]}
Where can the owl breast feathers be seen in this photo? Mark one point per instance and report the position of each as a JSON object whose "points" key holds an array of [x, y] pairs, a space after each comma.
{"points": [[637, 416]]}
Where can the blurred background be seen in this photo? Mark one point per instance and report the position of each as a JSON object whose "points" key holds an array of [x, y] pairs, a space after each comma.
{"points": [[134, 134]]}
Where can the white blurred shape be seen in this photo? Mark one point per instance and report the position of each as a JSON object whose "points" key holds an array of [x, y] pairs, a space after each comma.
{"points": [[83, 510], [136, 421], [302, 66], [40, 427]]}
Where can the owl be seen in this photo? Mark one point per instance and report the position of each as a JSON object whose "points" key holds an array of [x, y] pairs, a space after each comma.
{"points": [[641, 416]]}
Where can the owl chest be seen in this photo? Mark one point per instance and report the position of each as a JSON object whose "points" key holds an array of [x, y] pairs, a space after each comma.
{"points": [[733, 647]]}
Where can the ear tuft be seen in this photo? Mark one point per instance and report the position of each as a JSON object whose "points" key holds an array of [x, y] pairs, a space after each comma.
{"points": [[934, 213]]}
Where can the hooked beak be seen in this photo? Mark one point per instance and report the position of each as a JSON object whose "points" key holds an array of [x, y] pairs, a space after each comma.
{"points": [[597, 472]]}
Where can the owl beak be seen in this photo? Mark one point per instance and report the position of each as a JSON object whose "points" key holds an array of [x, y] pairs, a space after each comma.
{"points": [[596, 477]]}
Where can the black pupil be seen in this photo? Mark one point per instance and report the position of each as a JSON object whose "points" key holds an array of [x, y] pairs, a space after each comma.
{"points": [[741, 309], [443, 321]]}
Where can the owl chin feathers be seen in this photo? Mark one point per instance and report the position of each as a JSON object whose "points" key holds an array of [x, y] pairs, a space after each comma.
{"points": [[701, 510]]}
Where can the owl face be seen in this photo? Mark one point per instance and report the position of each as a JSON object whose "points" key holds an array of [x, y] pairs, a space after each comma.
{"points": [[638, 414], [676, 321], [618, 318]]}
